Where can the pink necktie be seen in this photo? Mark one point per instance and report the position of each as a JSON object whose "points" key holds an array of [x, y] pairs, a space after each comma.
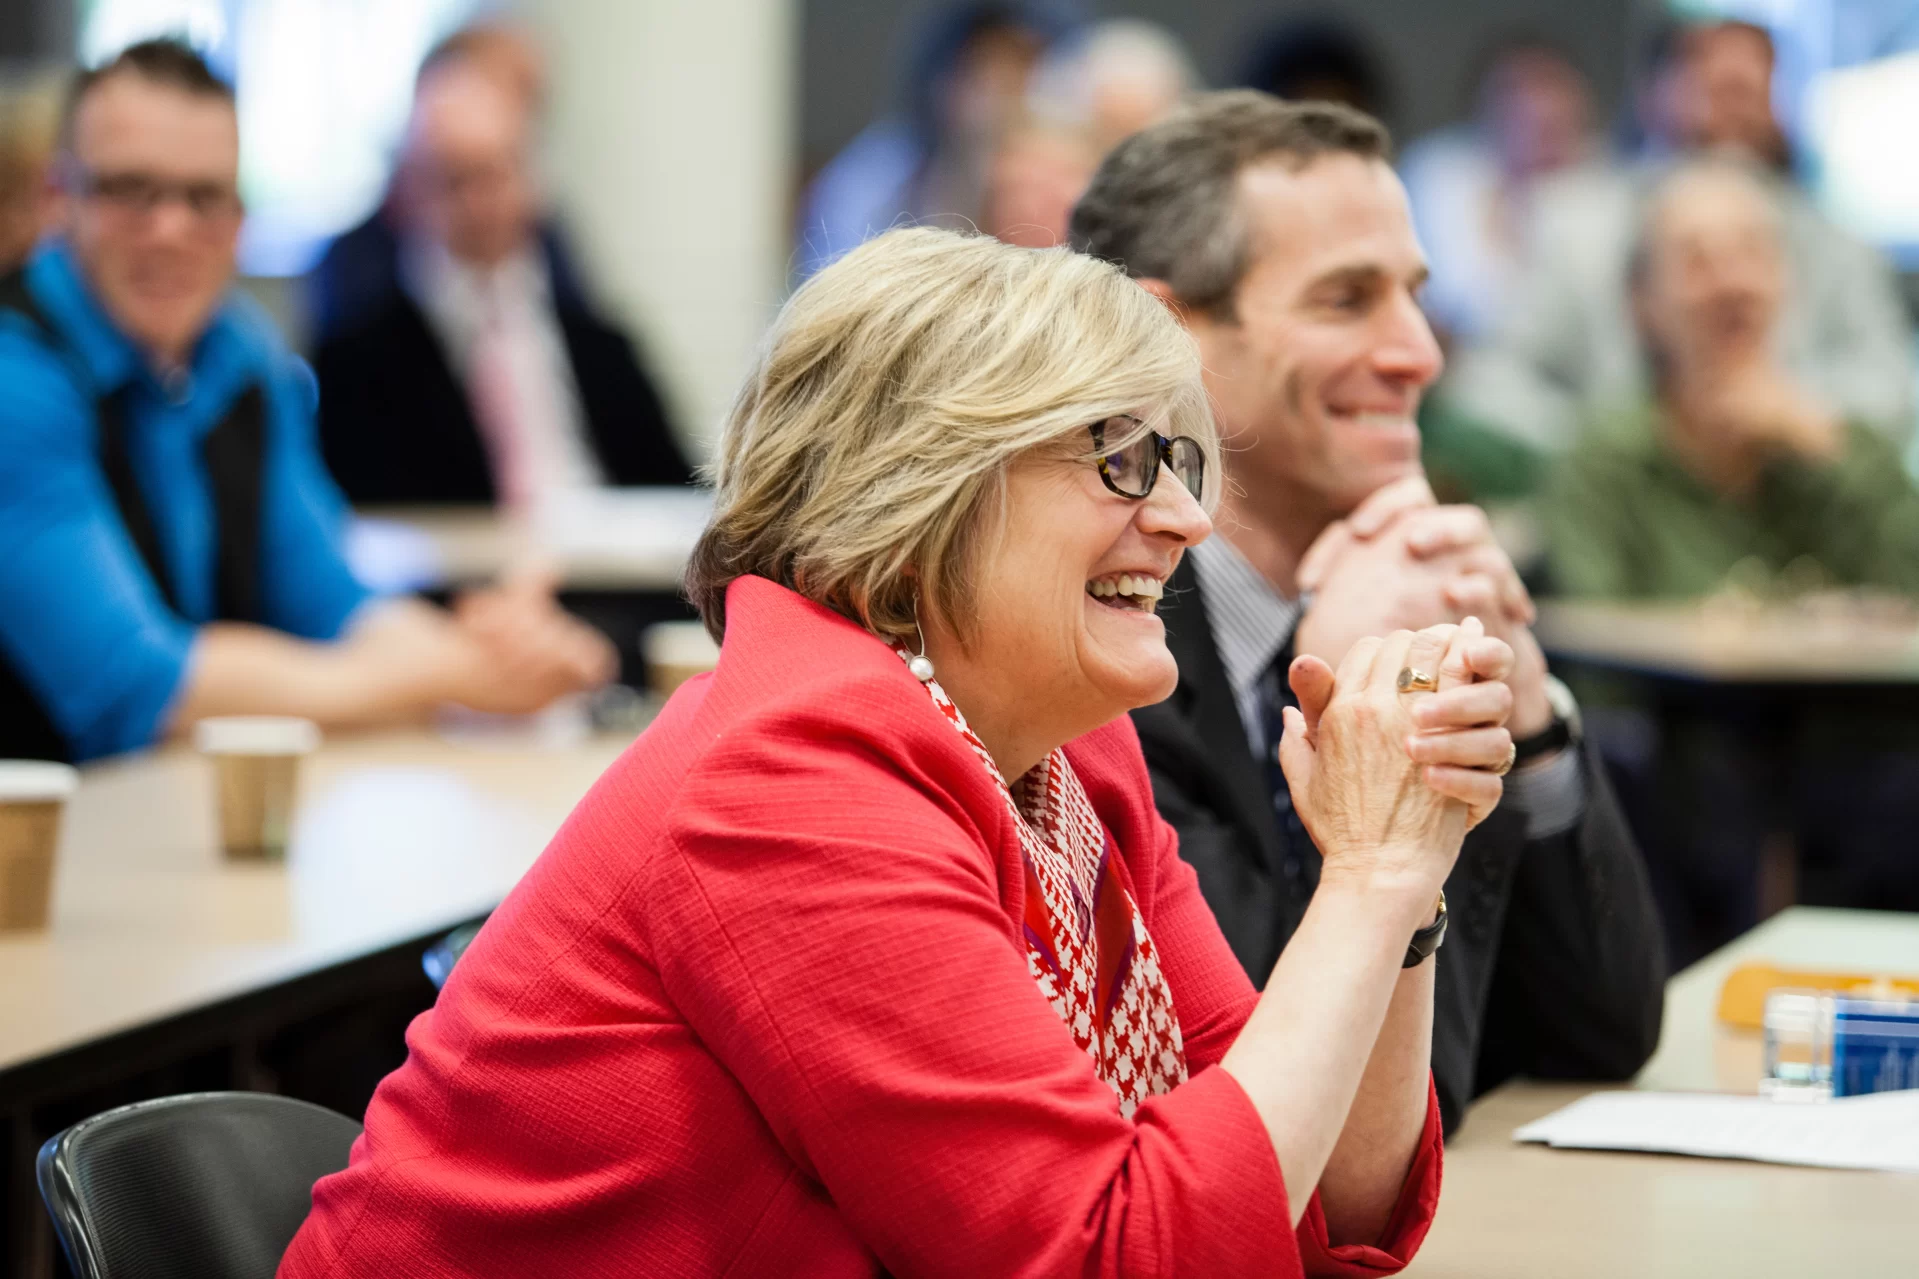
{"points": [[498, 407]]}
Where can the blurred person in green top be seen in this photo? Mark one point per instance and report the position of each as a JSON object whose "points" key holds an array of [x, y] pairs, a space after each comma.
{"points": [[1730, 472], [1728, 460]]}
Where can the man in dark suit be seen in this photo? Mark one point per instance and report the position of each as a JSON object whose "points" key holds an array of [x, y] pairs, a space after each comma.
{"points": [[1280, 236], [458, 359]]}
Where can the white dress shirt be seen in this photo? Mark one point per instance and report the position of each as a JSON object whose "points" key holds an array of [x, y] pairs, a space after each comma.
{"points": [[502, 337]]}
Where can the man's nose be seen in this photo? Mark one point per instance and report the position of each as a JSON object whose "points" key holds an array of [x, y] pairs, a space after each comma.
{"points": [[1407, 349], [172, 220]]}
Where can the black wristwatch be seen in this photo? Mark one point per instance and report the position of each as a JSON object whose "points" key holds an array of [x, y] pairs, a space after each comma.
{"points": [[1427, 939], [1563, 732]]}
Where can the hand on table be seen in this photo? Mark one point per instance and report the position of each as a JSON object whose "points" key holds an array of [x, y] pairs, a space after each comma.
{"points": [[531, 650], [1388, 783], [1400, 561]]}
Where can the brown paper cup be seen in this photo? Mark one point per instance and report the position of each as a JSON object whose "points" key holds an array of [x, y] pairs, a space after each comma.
{"points": [[256, 770], [33, 796], [675, 652]]}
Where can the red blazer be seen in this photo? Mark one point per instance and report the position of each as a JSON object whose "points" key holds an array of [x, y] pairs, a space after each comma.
{"points": [[762, 1008]]}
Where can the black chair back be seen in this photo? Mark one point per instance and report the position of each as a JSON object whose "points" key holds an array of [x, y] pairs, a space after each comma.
{"points": [[202, 1186]]}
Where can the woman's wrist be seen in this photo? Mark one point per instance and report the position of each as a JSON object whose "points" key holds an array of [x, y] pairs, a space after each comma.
{"points": [[1400, 895]]}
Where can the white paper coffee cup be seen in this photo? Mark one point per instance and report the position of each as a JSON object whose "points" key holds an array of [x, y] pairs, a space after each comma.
{"points": [[33, 797], [675, 652], [256, 763]]}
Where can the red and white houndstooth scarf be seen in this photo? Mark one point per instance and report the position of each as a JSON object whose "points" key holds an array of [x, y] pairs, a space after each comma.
{"points": [[1086, 945]]}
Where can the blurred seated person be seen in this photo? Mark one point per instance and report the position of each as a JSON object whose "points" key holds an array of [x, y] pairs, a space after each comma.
{"points": [[1731, 469], [927, 164], [29, 130], [1567, 345], [1112, 79], [1471, 185], [360, 266], [872, 956], [1037, 173], [1472, 189], [174, 542], [473, 378], [1730, 456], [1279, 234]]}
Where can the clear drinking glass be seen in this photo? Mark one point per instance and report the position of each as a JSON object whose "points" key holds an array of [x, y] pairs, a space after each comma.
{"points": [[1798, 1046]]}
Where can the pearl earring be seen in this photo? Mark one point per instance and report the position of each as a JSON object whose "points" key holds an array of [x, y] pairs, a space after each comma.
{"points": [[921, 666]]}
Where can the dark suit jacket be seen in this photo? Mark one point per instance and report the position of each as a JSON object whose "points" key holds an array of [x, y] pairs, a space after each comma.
{"points": [[396, 424], [1553, 964]]}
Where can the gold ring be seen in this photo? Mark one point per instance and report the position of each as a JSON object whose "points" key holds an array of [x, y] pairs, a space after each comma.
{"points": [[1506, 765], [1412, 680]]}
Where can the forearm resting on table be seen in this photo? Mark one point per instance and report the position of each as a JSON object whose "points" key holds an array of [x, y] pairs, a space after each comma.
{"points": [[401, 659], [1341, 1020]]}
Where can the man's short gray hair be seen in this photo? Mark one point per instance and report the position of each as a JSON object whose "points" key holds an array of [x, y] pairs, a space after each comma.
{"points": [[1164, 204]]}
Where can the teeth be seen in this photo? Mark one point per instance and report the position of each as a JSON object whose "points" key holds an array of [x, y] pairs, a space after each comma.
{"points": [[1134, 585]]}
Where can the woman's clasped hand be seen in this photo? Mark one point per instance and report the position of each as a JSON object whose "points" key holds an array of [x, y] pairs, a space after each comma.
{"points": [[1389, 782]]}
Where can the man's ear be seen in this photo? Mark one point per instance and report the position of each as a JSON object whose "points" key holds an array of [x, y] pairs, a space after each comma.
{"points": [[1164, 292]]}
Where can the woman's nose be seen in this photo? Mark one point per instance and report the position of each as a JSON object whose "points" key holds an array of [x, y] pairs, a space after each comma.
{"points": [[1170, 510]]}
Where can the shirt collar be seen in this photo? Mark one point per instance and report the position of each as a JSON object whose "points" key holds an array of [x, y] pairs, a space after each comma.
{"points": [[107, 356], [461, 295], [1251, 622]]}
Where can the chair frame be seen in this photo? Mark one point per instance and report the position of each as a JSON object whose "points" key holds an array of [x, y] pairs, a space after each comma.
{"points": [[53, 1170]]}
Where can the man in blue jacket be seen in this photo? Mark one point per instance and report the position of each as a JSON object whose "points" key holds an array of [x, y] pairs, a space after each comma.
{"points": [[172, 541]]}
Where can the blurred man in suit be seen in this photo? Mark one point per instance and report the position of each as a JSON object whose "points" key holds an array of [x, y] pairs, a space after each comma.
{"points": [[1281, 237], [173, 542], [467, 366]]}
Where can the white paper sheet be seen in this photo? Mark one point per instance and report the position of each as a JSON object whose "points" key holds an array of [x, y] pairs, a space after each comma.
{"points": [[1879, 1131]]}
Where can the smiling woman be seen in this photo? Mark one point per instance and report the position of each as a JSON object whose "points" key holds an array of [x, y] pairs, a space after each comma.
{"points": [[872, 956], [916, 408]]}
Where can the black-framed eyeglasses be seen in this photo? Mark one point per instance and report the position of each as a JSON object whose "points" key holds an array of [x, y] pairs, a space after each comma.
{"points": [[1132, 471], [141, 194]]}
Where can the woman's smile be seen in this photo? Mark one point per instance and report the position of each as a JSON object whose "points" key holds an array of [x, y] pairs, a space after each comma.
{"points": [[1127, 592]]}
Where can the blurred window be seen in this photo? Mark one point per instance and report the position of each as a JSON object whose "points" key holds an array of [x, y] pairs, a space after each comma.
{"points": [[324, 87]]}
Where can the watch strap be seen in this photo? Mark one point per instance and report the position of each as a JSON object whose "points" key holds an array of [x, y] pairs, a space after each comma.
{"points": [[1556, 736], [1427, 939]]}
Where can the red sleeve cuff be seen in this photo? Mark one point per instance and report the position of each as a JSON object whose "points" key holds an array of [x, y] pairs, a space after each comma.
{"points": [[1405, 1230], [1220, 1203]]}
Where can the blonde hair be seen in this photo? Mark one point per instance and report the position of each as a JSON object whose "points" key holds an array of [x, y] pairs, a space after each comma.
{"points": [[870, 443]]}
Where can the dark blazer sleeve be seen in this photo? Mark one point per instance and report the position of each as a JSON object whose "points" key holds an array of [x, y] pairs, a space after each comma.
{"points": [[1222, 852], [1579, 988]]}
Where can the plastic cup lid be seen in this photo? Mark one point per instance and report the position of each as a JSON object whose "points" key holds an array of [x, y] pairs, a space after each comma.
{"points": [[256, 735], [33, 780]]}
